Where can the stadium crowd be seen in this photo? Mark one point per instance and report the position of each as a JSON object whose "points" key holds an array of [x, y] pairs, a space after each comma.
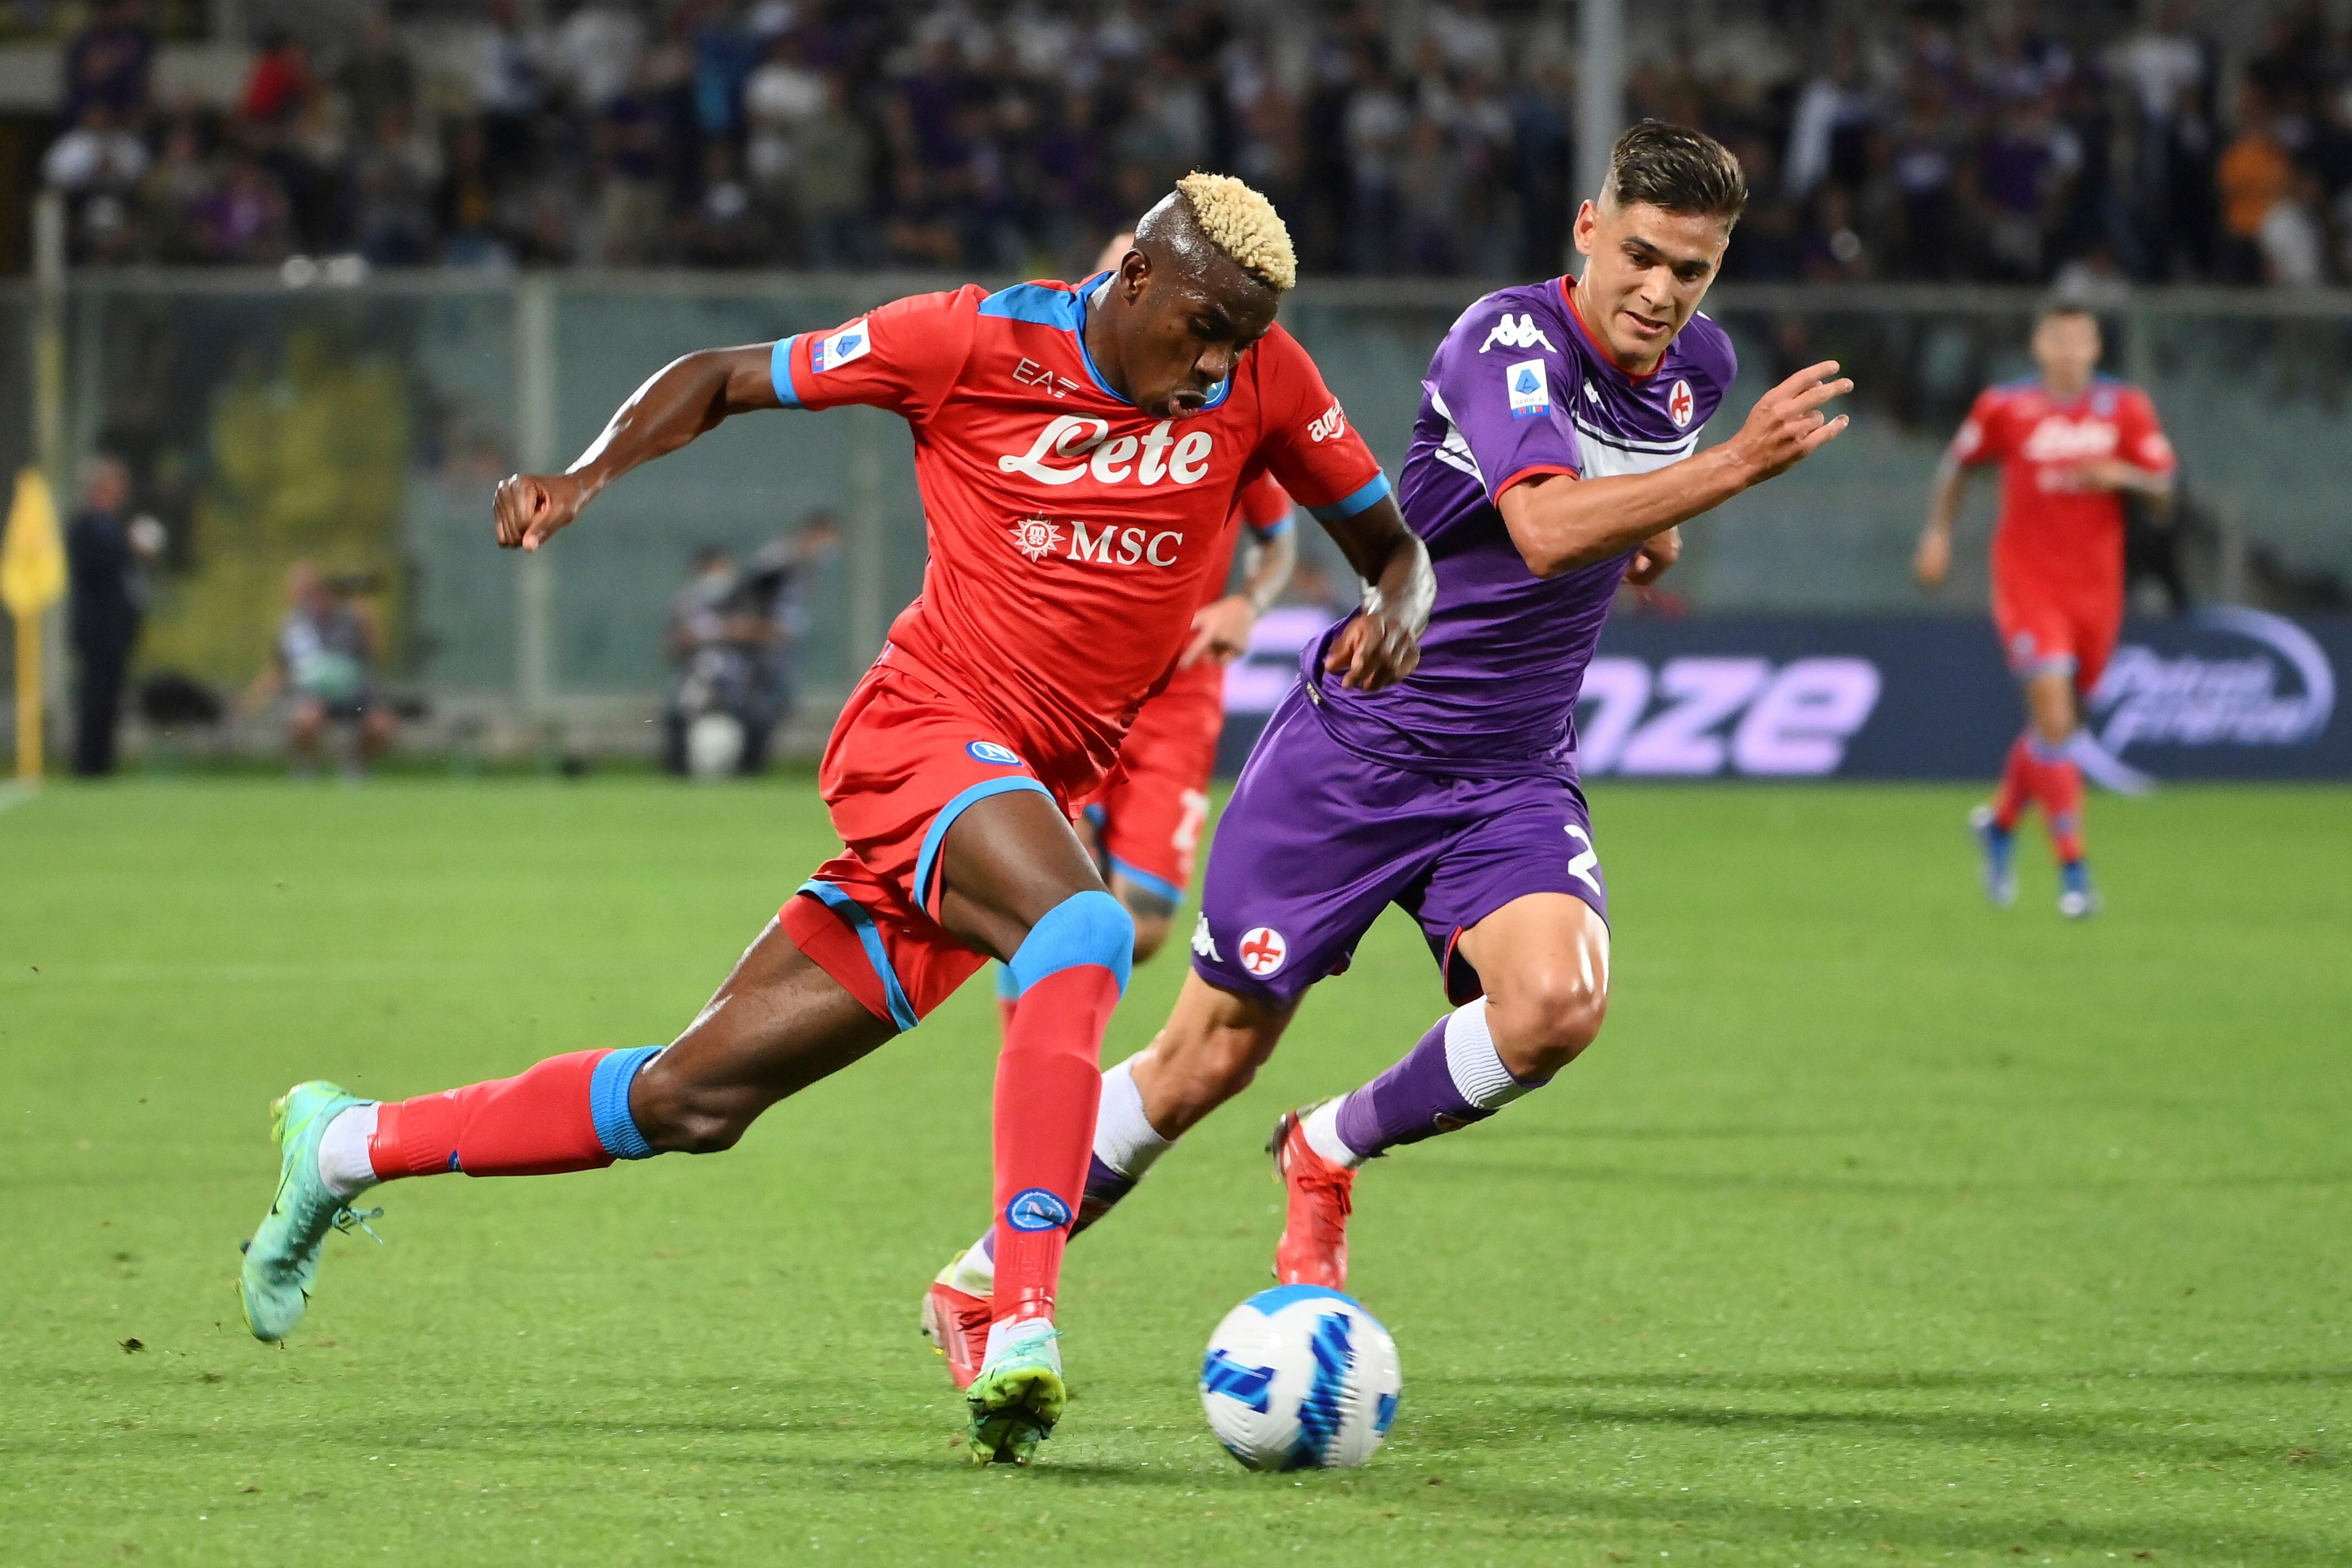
{"points": [[1926, 143]]}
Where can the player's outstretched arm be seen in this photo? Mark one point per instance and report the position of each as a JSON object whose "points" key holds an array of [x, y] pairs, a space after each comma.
{"points": [[1933, 559], [684, 399], [1560, 524], [1383, 645], [1221, 631]]}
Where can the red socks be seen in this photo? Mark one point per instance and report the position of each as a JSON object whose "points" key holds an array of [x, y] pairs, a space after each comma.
{"points": [[1048, 1084], [2017, 785], [558, 1116], [2040, 775], [2061, 794]]}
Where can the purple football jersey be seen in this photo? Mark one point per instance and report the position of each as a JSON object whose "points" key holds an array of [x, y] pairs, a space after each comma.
{"points": [[1518, 387]]}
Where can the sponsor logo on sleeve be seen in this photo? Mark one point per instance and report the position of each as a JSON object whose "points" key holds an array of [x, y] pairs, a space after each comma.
{"points": [[1520, 333], [1531, 387], [852, 342], [1330, 426]]}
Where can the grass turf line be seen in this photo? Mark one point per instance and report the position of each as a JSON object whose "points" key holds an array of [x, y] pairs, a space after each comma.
{"points": [[1879, 1227]]}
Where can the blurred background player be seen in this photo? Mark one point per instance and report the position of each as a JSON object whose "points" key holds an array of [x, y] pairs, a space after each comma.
{"points": [[1555, 454], [2071, 444], [1073, 511], [324, 661]]}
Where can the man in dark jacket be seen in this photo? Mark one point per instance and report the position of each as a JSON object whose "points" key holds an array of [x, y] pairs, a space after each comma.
{"points": [[103, 553]]}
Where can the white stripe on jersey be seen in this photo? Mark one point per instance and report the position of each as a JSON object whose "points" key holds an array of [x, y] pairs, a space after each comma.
{"points": [[1606, 456], [1455, 450]]}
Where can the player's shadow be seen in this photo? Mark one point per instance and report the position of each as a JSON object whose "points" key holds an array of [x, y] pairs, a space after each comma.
{"points": [[1460, 1411]]}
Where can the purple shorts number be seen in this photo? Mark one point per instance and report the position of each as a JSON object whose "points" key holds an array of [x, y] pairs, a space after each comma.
{"points": [[1317, 840]]}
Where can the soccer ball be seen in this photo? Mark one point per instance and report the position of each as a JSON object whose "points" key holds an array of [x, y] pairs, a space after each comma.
{"points": [[1300, 1379]]}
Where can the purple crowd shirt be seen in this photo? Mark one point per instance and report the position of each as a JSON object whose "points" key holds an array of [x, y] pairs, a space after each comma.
{"points": [[1517, 388]]}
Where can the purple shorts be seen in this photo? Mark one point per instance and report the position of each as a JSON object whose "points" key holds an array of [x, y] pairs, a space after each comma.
{"points": [[1317, 840]]}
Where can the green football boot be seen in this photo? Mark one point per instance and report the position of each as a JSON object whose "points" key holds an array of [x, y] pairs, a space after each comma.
{"points": [[1019, 1394], [282, 1258]]}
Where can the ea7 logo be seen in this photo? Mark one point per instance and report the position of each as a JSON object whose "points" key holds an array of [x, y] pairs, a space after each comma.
{"points": [[1521, 333], [1029, 373], [1791, 721], [1331, 427]]}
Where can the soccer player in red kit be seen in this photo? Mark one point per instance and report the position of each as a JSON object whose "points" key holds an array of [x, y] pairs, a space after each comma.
{"points": [[2071, 443], [1079, 450]]}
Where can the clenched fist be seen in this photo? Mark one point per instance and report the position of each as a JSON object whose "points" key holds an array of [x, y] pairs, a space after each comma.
{"points": [[530, 507]]}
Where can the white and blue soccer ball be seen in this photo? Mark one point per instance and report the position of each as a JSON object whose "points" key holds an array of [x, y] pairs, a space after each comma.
{"points": [[1300, 1379]]}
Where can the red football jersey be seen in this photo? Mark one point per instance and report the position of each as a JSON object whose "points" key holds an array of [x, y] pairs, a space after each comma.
{"points": [[1072, 536], [2053, 536]]}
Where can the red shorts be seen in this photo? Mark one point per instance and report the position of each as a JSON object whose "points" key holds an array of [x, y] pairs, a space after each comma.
{"points": [[904, 762], [1151, 809], [2042, 632]]}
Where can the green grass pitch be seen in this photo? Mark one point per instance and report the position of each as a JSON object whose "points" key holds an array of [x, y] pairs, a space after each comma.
{"points": [[1880, 1227]]}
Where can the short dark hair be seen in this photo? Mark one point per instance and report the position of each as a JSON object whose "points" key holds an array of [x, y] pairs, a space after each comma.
{"points": [[2061, 303], [1676, 170]]}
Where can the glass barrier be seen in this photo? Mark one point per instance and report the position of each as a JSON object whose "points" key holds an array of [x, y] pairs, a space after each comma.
{"points": [[362, 428]]}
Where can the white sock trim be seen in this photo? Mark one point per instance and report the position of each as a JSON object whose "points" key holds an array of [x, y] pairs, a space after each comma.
{"points": [[1125, 1139], [1322, 1132], [1476, 1065], [344, 1163]]}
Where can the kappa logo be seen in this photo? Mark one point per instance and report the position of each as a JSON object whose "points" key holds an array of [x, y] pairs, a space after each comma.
{"points": [[1680, 404], [1521, 333], [1262, 950], [1036, 538], [1331, 427], [1072, 446], [1530, 384], [1204, 944], [1029, 373], [852, 342]]}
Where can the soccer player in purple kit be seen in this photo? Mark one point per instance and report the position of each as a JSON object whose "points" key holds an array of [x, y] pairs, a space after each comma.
{"points": [[1555, 454]]}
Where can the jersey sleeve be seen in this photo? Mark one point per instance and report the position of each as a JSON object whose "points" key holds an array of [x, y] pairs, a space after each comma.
{"points": [[1265, 507], [1979, 439], [1309, 447], [1506, 407], [905, 356], [2141, 440]]}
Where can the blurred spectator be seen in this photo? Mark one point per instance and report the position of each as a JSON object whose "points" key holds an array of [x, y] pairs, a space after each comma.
{"points": [[1962, 144], [323, 661], [281, 82], [379, 75], [734, 633], [106, 551], [108, 62]]}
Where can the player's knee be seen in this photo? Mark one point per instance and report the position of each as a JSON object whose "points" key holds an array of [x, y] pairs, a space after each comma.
{"points": [[1089, 928], [1542, 1021], [679, 1117]]}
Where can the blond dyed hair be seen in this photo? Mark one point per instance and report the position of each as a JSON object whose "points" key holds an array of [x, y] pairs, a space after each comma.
{"points": [[1243, 224]]}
